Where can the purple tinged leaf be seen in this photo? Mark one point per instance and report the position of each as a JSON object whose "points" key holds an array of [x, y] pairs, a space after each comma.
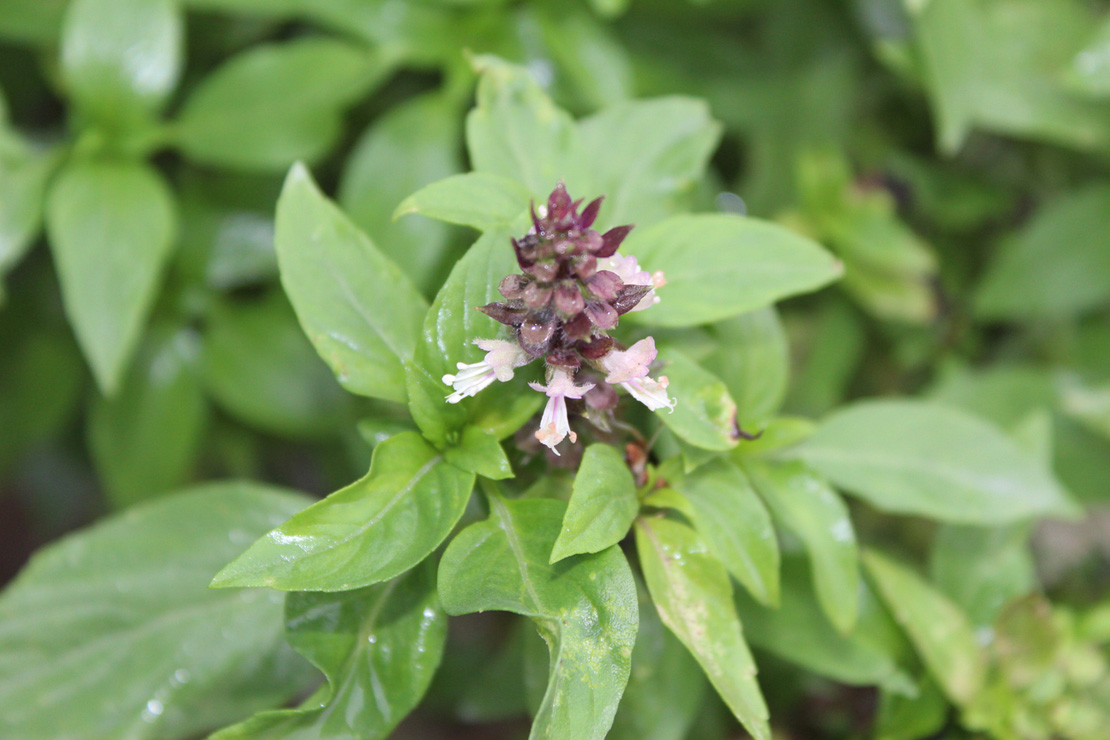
{"points": [[506, 315], [611, 240], [586, 220], [630, 296]]}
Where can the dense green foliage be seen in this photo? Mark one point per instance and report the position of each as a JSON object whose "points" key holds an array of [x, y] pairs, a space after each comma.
{"points": [[244, 240]]}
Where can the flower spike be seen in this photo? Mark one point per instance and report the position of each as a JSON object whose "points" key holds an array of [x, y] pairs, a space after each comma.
{"points": [[571, 292]]}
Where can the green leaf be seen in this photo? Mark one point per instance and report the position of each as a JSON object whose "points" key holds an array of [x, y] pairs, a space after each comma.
{"points": [[661, 667], [488, 680], [732, 520], [983, 568], [144, 441], [917, 457], [584, 608], [450, 328], [647, 154], [111, 227], [359, 309], [479, 452], [1089, 72], [440, 422], [1003, 394], [260, 368], [692, 592], [370, 531], [422, 34], [942, 633], [995, 64], [905, 718], [111, 632], [799, 632], [227, 238], [705, 414], [591, 61], [888, 269], [43, 377], [609, 8], [752, 356], [517, 132], [1057, 266], [276, 103], [1089, 405], [780, 432], [121, 58], [23, 178], [805, 504], [602, 505], [717, 266], [379, 647], [479, 199], [32, 21], [409, 146], [838, 340]]}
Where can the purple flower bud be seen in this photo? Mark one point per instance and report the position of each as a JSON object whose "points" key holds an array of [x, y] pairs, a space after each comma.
{"points": [[558, 203], [596, 348], [513, 286], [564, 247], [545, 272], [537, 295], [605, 285], [537, 333], [585, 266], [602, 315], [568, 299], [523, 250], [611, 240], [591, 241], [579, 328], [564, 358]]}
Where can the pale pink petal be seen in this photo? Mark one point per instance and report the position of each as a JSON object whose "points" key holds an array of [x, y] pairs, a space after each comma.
{"points": [[630, 363]]}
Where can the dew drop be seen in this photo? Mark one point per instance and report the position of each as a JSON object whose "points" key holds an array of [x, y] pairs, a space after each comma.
{"points": [[372, 639], [153, 710], [429, 612], [181, 677], [731, 203]]}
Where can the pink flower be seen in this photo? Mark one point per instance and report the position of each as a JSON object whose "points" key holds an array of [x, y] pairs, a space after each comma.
{"points": [[554, 425], [651, 392], [501, 358], [629, 369], [628, 270], [631, 363]]}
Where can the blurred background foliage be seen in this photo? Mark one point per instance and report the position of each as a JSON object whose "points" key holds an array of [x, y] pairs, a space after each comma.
{"points": [[953, 153]]}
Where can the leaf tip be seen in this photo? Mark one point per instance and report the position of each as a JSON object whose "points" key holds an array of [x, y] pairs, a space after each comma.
{"points": [[406, 207]]}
